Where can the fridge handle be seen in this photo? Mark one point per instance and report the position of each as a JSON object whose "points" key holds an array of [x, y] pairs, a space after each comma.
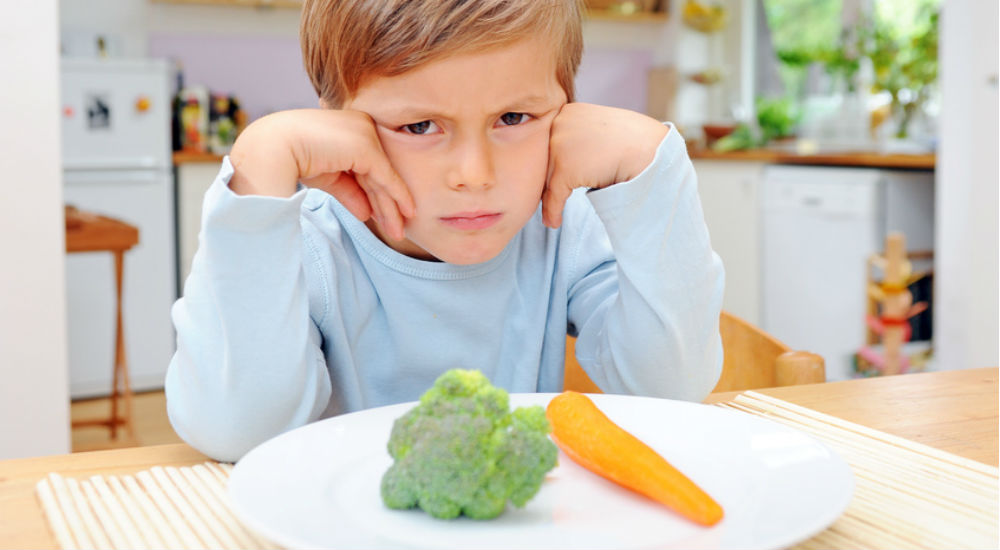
{"points": [[115, 176]]}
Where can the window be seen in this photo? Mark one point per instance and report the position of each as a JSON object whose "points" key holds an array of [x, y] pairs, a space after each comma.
{"points": [[800, 31], [823, 47]]}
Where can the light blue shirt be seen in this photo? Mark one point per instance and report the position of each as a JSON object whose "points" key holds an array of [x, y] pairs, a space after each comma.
{"points": [[295, 311]]}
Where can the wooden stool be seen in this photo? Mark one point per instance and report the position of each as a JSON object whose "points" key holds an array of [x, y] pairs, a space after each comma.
{"points": [[86, 232]]}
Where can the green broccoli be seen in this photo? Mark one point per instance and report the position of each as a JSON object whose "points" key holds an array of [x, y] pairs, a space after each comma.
{"points": [[462, 451]]}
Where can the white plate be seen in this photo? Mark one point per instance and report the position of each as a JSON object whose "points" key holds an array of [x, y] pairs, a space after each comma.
{"points": [[318, 487]]}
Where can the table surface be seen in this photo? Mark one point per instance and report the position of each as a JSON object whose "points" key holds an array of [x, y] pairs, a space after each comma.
{"points": [[955, 411], [96, 233]]}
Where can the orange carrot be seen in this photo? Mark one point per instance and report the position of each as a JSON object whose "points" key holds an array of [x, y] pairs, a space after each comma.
{"points": [[591, 439]]}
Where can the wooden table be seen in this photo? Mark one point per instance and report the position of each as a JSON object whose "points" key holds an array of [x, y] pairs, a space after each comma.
{"points": [[955, 411]]}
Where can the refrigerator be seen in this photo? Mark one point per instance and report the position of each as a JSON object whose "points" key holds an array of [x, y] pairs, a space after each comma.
{"points": [[820, 225], [116, 160]]}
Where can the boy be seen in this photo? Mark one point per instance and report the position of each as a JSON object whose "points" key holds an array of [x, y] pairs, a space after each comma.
{"points": [[420, 244]]}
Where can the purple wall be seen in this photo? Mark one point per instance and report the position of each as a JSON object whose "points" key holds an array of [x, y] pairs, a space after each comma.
{"points": [[266, 73], [614, 78]]}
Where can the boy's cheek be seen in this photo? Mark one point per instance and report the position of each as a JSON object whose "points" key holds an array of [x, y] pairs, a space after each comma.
{"points": [[535, 160], [412, 166]]}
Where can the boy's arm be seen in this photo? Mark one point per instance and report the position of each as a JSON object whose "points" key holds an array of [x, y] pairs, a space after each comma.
{"points": [[248, 364], [336, 151], [647, 311]]}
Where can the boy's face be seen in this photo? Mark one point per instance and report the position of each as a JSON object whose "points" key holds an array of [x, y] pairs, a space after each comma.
{"points": [[469, 134]]}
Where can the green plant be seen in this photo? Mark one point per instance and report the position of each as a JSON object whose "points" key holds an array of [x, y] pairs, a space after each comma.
{"points": [[905, 64], [901, 40], [776, 119], [740, 138]]}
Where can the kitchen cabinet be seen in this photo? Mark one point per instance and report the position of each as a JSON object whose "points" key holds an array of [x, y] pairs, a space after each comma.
{"points": [[195, 174], [730, 199], [820, 226], [795, 239], [730, 188]]}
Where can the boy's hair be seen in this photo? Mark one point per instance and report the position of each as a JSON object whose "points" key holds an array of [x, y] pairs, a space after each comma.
{"points": [[345, 42]]}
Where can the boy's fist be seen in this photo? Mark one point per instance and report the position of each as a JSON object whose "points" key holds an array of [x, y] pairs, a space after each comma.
{"points": [[595, 146], [336, 151]]}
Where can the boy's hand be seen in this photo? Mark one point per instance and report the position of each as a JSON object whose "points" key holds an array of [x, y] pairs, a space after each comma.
{"points": [[595, 146], [336, 151]]}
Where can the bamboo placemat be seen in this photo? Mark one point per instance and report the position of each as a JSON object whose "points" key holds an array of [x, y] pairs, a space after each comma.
{"points": [[906, 495], [163, 507]]}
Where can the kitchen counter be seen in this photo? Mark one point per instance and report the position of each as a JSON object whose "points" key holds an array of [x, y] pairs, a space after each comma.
{"points": [[183, 157], [868, 159]]}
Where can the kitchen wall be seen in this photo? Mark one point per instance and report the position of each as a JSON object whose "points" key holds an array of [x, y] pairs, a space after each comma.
{"points": [[34, 399], [123, 23], [254, 53], [211, 41], [966, 273]]}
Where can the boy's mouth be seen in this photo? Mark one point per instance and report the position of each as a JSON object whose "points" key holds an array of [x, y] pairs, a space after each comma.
{"points": [[471, 221]]}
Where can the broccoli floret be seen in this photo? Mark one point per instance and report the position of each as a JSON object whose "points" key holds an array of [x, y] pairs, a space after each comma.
{"points": [[462, 451]]}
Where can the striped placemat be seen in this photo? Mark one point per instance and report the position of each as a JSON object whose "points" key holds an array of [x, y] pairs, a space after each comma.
{"points": [[907, 495], [163, 507]]}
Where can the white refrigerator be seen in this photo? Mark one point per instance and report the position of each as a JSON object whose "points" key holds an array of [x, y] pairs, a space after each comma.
{"points": [[117, 162]]}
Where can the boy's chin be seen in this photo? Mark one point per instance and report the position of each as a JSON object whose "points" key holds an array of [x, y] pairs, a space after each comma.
{"points": [[468, 255]]}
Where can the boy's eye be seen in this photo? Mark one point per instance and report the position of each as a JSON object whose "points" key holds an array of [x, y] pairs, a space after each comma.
{"points": [[513, 119], [419, 128]]}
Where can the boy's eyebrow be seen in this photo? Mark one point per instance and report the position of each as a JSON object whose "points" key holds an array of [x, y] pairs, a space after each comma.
{"points": [[526, 103]]}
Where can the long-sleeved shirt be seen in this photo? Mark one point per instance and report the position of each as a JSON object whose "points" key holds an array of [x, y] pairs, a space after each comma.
{"points": [[295, 311]]}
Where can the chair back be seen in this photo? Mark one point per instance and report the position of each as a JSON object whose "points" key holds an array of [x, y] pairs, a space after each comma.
{"points": [[752, 359]]}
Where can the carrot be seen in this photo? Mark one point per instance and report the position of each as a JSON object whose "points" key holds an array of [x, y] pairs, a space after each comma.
{"points": [[591, 439]]}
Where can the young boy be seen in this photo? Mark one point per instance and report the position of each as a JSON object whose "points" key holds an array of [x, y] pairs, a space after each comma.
{"points": [[424, 219]]}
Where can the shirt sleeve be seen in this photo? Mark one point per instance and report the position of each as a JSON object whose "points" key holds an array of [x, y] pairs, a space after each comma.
{"points": [[248, 364], [647, 288]]}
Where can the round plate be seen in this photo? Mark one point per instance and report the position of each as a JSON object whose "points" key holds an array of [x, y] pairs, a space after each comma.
{"points": [[318, 486]]}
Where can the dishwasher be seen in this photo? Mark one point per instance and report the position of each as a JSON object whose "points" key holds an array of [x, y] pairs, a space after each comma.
{"points": [[819, 226]]}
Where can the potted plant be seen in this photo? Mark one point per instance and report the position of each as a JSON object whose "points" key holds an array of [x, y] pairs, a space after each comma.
{"points": [[905, 67]]}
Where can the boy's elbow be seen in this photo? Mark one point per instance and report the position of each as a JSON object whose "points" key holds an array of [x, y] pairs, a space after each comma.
{"points": [[209, 426], [226, 425], [227, 432], [207, 437]]}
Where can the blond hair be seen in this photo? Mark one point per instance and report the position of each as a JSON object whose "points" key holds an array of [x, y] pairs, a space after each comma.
{"points": [[345, 42]]}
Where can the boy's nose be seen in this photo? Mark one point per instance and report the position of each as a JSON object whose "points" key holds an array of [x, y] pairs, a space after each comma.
{"points": [[473, 166]]}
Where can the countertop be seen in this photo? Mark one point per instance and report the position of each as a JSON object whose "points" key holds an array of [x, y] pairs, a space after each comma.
{"points": [[184, 157], [868, 159]]}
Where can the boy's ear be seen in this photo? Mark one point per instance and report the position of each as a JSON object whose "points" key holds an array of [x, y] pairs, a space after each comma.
{"points": [[323, 104]]}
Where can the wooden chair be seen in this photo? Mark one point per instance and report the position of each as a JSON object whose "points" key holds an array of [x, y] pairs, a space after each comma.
{"points": [[752, 359], [88, 232]]}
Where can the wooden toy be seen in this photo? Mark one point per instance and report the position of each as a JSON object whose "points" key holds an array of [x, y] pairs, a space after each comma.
{"points": [[890, 321]]}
